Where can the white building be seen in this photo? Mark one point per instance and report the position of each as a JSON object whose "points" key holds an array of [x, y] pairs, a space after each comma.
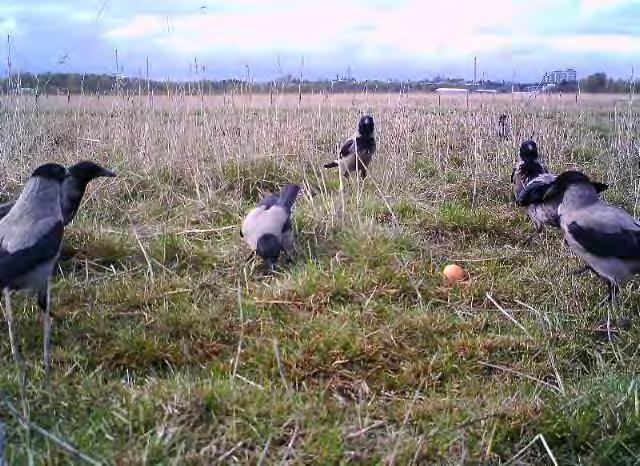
{"points": [[556, 77], [451, 90]]}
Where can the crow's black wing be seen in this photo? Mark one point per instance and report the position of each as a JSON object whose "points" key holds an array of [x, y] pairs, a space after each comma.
{"points": [[269, 201], [367, 143], [624, 244], [5, 208], [287, 226], [533, 193], [288, 196], [285, 198], [347, 148], [17, 263]]}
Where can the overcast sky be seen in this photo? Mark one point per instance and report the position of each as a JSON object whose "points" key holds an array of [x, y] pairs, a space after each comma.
{"points": [[374, 38]]}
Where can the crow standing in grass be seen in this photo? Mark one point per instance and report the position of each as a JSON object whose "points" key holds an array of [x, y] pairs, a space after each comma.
{"points": [[544, 211], [73, 188], [541, 212], [267, 229], [607, 238], [30, 238], [503, 127], [357, 151], [528, 169]]}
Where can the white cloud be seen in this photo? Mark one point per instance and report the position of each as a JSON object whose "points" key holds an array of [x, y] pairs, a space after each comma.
{"points": [[591, 7], [394, 35], [409, 28], [8, 26], [418, 29], [613, 44], [140, 27], [296, 29], [342, 32]]}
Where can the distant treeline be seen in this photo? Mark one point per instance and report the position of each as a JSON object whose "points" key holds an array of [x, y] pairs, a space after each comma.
{"points": [[75, 83], [599, 83]]}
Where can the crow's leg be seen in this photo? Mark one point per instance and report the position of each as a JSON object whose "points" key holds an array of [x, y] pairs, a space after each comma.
{"points": [[44, 302], [17, 357], [528, 239], [614, 292], [8, 315], [581, 270], [538, 233]]}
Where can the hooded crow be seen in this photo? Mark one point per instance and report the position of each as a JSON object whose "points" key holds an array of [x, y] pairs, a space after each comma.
{"points": [[267, 229], [539, 211], [357, 151], [30, 238], [503, 127], [607, 238], [73, 188], [543, 211], [527, 168]]}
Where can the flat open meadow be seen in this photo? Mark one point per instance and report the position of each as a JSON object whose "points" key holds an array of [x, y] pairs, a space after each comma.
{"points": [[170, 346]]}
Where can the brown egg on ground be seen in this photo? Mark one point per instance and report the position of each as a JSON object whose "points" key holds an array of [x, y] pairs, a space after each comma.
{"points": [[454, 273]]}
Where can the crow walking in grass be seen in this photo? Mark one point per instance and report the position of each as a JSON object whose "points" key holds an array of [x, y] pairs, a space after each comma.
{"points": [[267, 228], [527, 168], [544, 211], [357, 151], [527, 192], [607, 238], [30, 238], [73, 188], [531, 180], [531, 196]]}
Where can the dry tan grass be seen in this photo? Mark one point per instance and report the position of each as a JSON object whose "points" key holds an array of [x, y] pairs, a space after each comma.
{"points": [[164, 338]]}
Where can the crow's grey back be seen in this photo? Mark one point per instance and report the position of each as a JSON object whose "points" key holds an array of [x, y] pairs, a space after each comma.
{"points": [[34, 214]]}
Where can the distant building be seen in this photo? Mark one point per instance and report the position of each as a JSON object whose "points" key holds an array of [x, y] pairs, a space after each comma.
{"points": [[536, 88], [451, 90], [558, 76]]}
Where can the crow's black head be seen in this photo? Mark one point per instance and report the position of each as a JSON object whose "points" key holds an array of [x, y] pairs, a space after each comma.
{"points": [[52, 171], [269, 248], [365, 126], [529, 150], [86, 171], [566, 179]]}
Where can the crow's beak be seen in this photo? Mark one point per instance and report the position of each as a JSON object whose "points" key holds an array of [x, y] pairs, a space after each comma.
{"points": [[107, 173], [600, 186], [270, 265], [551, 193]]}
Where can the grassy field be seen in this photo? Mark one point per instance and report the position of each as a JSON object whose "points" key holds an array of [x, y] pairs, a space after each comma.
{"points": [[170, 347]]}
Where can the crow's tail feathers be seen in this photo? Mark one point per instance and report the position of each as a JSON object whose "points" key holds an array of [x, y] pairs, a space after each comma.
{"points": [[331, 164], [288, 195]]}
